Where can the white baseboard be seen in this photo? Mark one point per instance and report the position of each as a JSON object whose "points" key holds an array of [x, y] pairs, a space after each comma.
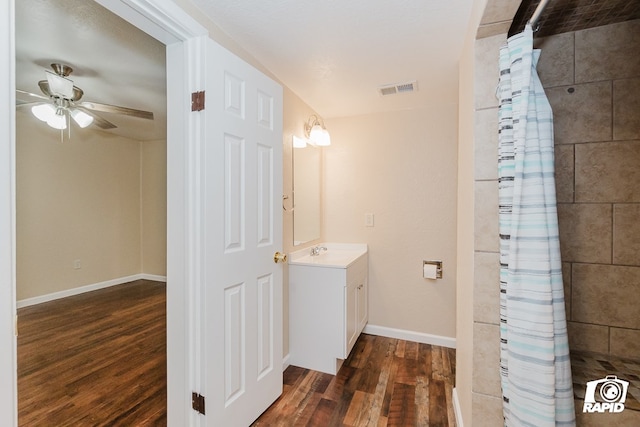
{"points": [[153, 277], [410, 336], [285, 362], [456, 408], [87, 288]]}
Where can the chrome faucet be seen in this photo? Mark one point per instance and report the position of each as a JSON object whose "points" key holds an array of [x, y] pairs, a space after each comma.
{"points": [[315, 251]]}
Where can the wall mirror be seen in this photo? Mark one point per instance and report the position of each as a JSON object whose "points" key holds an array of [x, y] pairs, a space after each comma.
{"points": [[306, 194]]}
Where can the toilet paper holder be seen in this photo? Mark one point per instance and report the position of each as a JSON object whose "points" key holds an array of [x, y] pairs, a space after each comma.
{"points": [[438, 265]]}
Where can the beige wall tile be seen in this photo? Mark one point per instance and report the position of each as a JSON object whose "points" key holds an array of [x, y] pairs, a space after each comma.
{"points": [[486, 144], [487, 411], [625, 418], [585, 232], [499, 10], [626, 234], [582, 113], [566, 281], [606, 295], [486, 359], [626, 109], [487, 70], [564, 161], [488, 30], [608, 172], [486, 293], [587, 337], [555, 66], [625, 343], [486, 217], [608, 52]]}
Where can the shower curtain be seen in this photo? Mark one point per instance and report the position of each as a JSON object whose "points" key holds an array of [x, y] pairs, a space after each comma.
{"points": [[534, 352]]}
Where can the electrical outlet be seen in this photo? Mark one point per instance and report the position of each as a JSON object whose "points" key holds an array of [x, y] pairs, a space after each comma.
{"points": [[368, 220], [77, 265]]}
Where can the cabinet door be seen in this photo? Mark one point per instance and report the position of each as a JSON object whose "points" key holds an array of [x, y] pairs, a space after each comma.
{"points": [[351, 317], [363, 310]]}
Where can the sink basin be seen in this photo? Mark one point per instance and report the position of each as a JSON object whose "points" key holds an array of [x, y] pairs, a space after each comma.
{"points": [[337, 255]]}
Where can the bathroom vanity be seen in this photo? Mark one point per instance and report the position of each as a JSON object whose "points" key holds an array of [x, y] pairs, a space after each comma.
{"points": [[327, 304]]}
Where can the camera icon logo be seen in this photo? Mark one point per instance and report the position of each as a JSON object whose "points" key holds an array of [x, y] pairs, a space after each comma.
{"points": [[605, 395]]}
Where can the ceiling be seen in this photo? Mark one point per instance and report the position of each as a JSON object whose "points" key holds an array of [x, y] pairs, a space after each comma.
{"points": [[335, 54]]}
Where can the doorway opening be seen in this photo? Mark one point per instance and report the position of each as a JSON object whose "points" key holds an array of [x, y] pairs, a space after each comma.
{"points": [[90, 215], [181, 34]]}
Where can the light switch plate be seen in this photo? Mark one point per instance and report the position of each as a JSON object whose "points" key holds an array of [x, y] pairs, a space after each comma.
{"points": [[368, 220]]}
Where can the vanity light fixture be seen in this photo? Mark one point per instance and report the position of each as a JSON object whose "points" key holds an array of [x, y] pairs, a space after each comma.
{"points": [[316, 132]]}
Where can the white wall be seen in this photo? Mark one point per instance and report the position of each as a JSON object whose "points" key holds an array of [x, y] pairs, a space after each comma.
{"points": [[400, 166]]}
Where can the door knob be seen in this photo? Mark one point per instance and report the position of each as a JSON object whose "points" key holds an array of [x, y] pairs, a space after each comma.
{"points": [[278, 257]]}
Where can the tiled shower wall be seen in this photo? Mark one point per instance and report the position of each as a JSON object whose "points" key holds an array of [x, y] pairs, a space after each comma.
{"points": [[592, 80], [486, 393]]}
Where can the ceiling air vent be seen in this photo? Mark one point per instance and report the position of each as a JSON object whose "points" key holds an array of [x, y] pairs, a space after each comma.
{"points": [[398, 88]]}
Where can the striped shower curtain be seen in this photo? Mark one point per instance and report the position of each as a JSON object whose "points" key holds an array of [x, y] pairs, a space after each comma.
{"points": [[534, 352]]}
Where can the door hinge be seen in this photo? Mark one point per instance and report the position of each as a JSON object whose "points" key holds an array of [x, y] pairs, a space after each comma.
{"points": [[197, 402], [197, 101]]}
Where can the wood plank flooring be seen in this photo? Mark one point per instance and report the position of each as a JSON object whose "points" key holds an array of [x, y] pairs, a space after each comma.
{"points": [[95, 359], [99, 359], [384, 382]]}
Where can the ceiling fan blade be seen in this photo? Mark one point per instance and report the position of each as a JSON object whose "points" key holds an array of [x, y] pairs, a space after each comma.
{"points": [[106, 108], [97, 120], [33, 95], [24, 104]]}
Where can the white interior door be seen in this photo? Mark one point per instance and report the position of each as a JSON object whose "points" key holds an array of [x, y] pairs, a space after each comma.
{"points": [[243, 230]]}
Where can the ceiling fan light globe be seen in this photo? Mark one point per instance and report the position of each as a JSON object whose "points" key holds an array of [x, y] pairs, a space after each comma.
{"points": [[44, 112], [58, 122], [81, 118]]}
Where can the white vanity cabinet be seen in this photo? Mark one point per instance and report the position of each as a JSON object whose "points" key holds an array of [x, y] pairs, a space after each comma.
{"points": [[356, 313], [327, 306]]}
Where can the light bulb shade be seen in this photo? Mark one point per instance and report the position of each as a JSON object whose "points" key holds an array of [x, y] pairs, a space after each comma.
{"points": [[320, 136], [44, 112], [81, 118], [299, 142], [58, 121]]}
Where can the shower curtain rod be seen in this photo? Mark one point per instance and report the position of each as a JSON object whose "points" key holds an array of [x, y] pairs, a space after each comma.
{"points": [[536, 14]]}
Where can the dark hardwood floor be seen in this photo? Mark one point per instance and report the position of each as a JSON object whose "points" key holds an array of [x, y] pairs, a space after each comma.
{"points": [[384, 382], [95, 359], [99, 359]]}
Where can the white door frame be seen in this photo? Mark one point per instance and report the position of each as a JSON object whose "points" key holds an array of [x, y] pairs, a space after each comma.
{"points": [[185, 40]]}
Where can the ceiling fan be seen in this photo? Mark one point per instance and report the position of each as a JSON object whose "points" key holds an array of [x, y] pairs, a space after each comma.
{"points": [[62, 103]]}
